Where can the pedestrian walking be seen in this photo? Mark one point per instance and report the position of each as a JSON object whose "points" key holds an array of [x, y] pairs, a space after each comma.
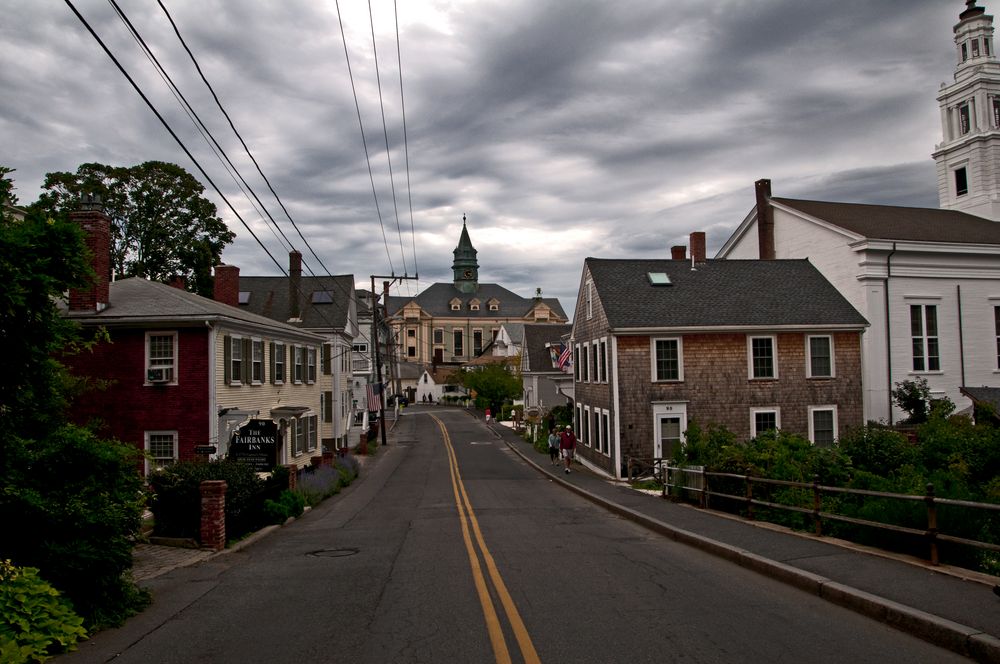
{"points": [[554, 448], [487, 415], [567, 445]]}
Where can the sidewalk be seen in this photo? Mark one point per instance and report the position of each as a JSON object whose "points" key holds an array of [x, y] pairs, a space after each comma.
{"points": [[948, 606]]}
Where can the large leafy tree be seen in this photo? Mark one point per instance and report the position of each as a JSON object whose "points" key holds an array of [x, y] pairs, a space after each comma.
{"points": [[161, 224], [493, 384], [73, 499]]}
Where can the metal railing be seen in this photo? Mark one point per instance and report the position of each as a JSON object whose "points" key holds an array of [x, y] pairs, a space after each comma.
{"points": [[696, 480]]}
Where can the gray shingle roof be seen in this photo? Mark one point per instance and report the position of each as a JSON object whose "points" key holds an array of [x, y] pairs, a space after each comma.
{"points": [[535, 356], [269, 297], [739, 293], [986, 395], [893, 222], [137, 302], [436, 301]]}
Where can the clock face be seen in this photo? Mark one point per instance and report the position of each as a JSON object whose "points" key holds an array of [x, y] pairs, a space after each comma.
{"points": [[468, 274]]}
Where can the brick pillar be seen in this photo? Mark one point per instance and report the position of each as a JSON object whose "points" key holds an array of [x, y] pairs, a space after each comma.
{"points": [[678, 252], [213, 514], [97, 236], [227, 285], [294, 283], [328, 458], [293, 477], [697, 242]]}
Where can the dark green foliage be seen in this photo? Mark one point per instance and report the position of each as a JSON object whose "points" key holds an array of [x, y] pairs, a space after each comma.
{"points": [[348, 467], [161, 224], [493, 385], [176, 504], [35, 621], [878, 449], [317, 484], [288, 504], [913, 396]]}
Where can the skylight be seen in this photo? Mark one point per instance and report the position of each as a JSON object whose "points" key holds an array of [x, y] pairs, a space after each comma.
{"points": [[658, 278], [244, 297], [322, 297]]}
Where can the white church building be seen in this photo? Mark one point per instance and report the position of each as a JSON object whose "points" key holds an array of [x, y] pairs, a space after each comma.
{"points": [[927, 280]]}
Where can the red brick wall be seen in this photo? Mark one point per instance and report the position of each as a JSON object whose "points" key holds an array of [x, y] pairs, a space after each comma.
{"points": [[97, 237], [128, 408]]}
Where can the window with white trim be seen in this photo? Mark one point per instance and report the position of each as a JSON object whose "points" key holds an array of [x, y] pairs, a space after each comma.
{"points": [[585, 361], [278, 362], [257, 361], [667, 360], [161, 357], [606, 431], [477, 342], [439, 335], [595, 374], [964, 119], [762, 357], [459, 342], [585, 427], [299, 359], [311, 365], [311, 437], [235, 360], [161, 446], [590, 299], [604, 361], [823, 425], [577, 371], [763, 420], [924, 337], [819, 356], [961, 181], [996, 327]]}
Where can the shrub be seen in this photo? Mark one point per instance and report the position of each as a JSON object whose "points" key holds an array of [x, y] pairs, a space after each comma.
{"points": [[318, 484], [289, 503], [913, 396], [348, 467], [877, 449], [37, 621]]}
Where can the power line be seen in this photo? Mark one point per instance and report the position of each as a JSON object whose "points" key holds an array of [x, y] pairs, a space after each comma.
{"points": [[364, 142], [406, 147]]}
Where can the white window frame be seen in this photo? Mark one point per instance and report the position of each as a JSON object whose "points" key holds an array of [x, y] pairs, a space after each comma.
{"points": [[585, 361], [298, 365], [459, 334], [812, 428], [680, 360], [311, 433], [256, 361], [482, 339], [606, 431], [604, 359], [173, 360], [774, 356], [766, 409], [438, 336], [310, 365], [150, 460], [283, 363], [236, 355], [924, 337], [590, 298], [809, 366], [585, 427]]}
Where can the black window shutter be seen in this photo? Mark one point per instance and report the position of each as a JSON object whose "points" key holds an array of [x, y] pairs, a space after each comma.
{"points": [[227, 359], [328, 410], [326, 351], [270, 364]]}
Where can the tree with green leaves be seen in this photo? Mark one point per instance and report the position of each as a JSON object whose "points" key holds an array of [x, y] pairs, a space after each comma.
{"points": [[73, 500], [162, 226], [493, 385]]}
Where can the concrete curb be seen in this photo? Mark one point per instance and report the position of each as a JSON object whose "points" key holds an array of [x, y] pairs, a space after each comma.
{"points": [[964, 640]]}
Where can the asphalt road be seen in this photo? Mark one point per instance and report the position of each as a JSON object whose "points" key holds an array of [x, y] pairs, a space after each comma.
{"points": [[453, 550]]}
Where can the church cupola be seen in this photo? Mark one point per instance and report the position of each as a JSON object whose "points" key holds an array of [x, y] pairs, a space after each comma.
{"points": [[465, 267], [967, 157]]}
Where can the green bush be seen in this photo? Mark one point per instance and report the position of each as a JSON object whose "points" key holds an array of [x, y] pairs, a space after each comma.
{"points": [[348, 467], [75, 502], [318, 484], [176, 505], [289, 504], [36, 621]]}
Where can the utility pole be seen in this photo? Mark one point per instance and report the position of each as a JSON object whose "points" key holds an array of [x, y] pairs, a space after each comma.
{"points": [[375, 340]]}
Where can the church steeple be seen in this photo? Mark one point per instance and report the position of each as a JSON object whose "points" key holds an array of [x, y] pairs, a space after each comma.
{"points": [[465, 267], [968, 159]]}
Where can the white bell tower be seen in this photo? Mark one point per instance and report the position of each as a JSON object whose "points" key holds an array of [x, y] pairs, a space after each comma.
{"points": [[968, 159]]}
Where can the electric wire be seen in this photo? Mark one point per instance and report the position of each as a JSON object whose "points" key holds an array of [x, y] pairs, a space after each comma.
{"points": [[364, 142], [406, 146]]}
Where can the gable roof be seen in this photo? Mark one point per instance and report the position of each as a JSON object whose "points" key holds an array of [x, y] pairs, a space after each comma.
{"points": [[269, 297], [535, 356], [895, 222], [436, 301], [138, 302], [719, 293]]}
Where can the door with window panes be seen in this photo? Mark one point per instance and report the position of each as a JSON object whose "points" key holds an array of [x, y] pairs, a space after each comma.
{"points": [[669, 424]]}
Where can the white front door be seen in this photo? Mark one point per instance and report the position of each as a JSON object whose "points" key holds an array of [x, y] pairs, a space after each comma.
{"points": [[669, 424]]}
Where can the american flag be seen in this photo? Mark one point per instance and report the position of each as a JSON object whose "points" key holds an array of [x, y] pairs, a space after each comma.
{"points": [[374, 396], [566, 357]]}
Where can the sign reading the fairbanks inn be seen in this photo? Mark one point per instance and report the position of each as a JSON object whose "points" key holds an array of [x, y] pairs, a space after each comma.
{"points": [[256, 443]]}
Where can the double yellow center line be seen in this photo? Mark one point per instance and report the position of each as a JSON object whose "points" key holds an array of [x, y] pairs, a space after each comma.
{"points": [[468, 518]]}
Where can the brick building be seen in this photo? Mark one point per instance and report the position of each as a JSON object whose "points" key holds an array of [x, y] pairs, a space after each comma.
{"points": [[750, 345]]}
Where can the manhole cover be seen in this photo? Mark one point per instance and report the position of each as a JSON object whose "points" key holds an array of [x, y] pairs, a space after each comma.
{"points": [[335, 553]]}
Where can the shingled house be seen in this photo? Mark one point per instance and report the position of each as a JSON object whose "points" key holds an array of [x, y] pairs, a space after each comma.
{"points": [[751, 345]]}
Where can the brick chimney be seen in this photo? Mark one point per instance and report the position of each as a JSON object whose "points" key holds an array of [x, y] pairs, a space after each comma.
{"points": [[765, 220], [178, 282], [227, 285], [294, 284], [97, 236], [697, 241], [678, 252]]}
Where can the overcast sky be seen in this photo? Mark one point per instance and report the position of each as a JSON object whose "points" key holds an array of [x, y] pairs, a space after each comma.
{"points": [[561, 128]]}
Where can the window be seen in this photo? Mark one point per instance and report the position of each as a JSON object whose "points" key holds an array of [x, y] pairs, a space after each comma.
{"points": [[986, 46], [474, 305], [590, 299], [299, 443], [161, 354], [411, 333], [256, 361], [604, 361], [975, 48], [585, 368], [311, 433], [477, 342], [459, 346], [576, 363], [762, 359], [963, 119], [995, 103], [820, 354], [494, 305], [667, 359], [961, 182], [924, 333], [326, 406], [594, 363], [277, 363], [162, 449], [311, 365], [595, 428], [411, 351], [244, 297], [322, 297], [585, 427], [764, 419], [235, 359], [439, 335], [965, 52], [822, 425], [996, 326], [606, 432], [299, 360]]}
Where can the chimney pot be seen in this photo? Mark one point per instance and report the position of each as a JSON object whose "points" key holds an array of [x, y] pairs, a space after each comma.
{"points": [[227, 285], [697, 241], [678, 252]]}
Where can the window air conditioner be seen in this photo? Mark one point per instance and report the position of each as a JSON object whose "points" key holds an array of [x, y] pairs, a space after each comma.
{"points": [[158, 375]]}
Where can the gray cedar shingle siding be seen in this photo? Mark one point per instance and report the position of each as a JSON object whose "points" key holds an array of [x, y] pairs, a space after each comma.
{"points": [[893, 222], [719, 293]]}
